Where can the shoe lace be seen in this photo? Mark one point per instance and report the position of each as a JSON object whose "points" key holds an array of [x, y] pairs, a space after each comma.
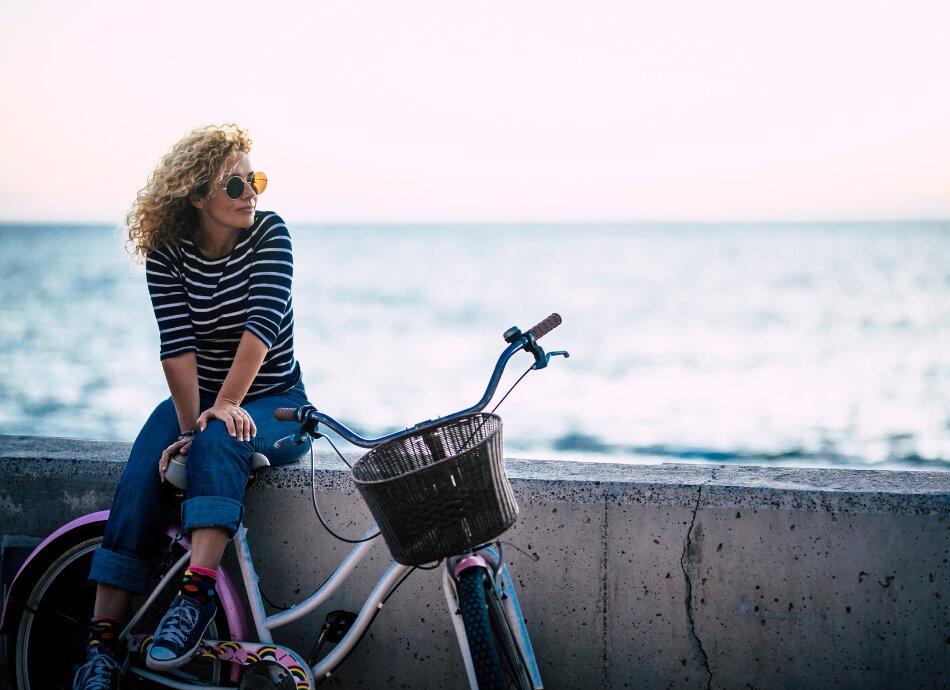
{"points": [[97, 673], [179, 624]]}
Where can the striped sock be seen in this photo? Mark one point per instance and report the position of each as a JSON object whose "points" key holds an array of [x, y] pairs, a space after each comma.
{"points": [[198, 584]]}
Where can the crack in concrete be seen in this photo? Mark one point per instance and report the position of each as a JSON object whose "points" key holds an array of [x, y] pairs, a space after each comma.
{"points": [[685, 561]]}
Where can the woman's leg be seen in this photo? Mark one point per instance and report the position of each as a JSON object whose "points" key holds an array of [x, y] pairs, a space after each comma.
{"points": [[208, 543], [218, 469], [121, 565], [219, 464], [112, 602], [139, 513], [207, 546]]}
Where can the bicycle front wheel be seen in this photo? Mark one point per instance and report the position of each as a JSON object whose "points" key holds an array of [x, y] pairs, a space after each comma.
{"points": [[51, 637], [495, 654]]}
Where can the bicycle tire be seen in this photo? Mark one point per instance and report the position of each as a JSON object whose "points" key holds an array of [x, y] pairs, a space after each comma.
{"points": [[495, 656], [51, 636], [509, 654]]}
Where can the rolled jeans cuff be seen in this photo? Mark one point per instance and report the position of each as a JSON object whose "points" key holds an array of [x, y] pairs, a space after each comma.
{"points": [[212, 511], [118, 570]]}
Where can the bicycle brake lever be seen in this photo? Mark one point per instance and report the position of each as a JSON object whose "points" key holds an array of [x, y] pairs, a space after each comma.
{"points": [[297, 439], [282, 441], [547, 358]]}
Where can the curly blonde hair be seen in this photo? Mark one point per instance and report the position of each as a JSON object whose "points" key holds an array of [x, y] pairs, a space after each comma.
{"points": [[162, 213]]}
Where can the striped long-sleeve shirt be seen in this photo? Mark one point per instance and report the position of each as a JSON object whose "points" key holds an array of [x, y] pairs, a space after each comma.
{"points": [[205, 305]]}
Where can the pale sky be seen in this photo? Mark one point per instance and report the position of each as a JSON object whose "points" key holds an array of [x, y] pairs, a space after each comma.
{"points": [[429, 111]]}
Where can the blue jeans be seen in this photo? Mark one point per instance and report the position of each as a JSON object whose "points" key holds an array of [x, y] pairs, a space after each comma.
{"points": [[218, 469]]}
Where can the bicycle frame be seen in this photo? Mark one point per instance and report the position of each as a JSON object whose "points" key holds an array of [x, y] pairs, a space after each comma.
{"points": [[236, 651], [371, 606], [246, 651]]}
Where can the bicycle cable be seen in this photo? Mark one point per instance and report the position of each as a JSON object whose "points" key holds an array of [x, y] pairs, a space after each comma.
{"points": [[398, 584], [528, 371], [279, 607], [318, 645], [313, 488], [381, 604], [495, 408], [332, 445], [533, 556], [313, 470], [313, 496]]}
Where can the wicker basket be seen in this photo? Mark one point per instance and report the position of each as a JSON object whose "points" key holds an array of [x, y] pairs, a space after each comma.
{"points": [[439, 491]]}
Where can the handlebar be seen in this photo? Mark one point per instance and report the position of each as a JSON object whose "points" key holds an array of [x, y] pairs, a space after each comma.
{"points": [[287, 414], [310, 418], [542, 328]]}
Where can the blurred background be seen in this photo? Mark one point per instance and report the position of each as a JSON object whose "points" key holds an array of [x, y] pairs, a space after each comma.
{"points": [[739, 209]]}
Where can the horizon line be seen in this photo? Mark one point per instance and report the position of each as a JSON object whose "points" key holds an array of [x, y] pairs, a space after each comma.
{"points": [[601, 222]]}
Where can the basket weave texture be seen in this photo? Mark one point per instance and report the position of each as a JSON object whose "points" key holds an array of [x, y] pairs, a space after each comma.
{"points": [[439, 491]]}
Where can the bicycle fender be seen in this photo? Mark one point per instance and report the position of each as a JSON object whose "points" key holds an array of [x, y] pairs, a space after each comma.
{"points": [[89, 525], [44, 554]]}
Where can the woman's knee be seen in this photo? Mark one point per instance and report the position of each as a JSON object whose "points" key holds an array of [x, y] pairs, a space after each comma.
{"points": [[216, 445], [218, 464]]}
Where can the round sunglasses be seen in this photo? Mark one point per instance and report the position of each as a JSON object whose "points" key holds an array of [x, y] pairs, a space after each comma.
{"points": [[235, 184]]}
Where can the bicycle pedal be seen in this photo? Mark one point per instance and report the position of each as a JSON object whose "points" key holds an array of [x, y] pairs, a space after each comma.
{"points": [[336, 625]]}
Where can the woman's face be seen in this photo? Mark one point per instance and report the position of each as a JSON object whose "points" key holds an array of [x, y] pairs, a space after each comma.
{"points": [[221, 210]]}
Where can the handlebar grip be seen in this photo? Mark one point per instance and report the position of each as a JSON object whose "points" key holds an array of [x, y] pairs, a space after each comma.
{"points": [[544, 327], [286, 414]]}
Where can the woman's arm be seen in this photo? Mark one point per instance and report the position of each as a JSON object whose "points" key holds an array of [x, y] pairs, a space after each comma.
{"points": [[227, 406], [270, 276], [181, 373]]}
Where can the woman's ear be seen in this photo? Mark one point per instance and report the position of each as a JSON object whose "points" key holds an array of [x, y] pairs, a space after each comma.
{"points": [[197, 201]]}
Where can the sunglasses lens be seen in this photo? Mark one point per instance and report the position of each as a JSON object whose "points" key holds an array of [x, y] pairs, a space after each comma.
{"points": [[259, 182], [234, 187]]}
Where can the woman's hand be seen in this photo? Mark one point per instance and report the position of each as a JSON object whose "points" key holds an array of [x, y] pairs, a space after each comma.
{"points": [[177, 448], [235, 418]]}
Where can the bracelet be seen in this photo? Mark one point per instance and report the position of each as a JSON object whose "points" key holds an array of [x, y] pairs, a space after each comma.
{"points": [[187, 433]]}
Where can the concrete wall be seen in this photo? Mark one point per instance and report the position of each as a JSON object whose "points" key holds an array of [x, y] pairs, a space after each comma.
{"points": [[663, 576]]}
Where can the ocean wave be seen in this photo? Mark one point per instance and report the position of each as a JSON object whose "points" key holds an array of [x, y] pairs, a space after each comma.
{"points": [[592, 445]]}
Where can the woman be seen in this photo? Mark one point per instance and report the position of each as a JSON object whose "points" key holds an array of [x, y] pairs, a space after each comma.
{"points": [[219, 276]]}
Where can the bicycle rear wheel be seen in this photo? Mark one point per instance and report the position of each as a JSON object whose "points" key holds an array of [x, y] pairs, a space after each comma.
{"points": [[51, 637], [495, 655]]}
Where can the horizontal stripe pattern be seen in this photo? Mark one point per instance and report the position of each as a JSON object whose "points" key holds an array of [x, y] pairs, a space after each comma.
{"points": [[204, 305]]}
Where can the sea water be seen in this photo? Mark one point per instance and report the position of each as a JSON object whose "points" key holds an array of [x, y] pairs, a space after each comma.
{"points": [[789, 344]]}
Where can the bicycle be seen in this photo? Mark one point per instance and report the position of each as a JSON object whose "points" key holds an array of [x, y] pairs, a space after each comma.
{"points": [[438, 492]]}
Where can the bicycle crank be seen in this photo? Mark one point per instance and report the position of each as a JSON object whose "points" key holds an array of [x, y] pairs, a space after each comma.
{"points": [[267, 675]]}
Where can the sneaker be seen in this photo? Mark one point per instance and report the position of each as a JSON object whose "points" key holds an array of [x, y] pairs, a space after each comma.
{"points": [[179, 633], [102, 669]]}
